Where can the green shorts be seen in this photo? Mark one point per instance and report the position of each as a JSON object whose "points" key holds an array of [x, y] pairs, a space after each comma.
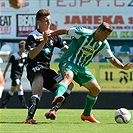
{"points": [[81, 74]]}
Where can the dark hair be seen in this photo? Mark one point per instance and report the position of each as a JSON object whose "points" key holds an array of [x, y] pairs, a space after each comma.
{"points": [[106, 26], [21, 44], [42, 13]]}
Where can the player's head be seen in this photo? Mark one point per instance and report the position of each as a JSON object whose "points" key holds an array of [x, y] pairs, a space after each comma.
{"points": [[43, 19], [16, 3], [103, 31], [21, 45]]}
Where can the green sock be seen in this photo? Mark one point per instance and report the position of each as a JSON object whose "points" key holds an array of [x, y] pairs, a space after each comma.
{"points": [[90, 101], [62, 87]]}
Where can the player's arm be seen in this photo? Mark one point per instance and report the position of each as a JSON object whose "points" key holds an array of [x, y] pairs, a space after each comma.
{"points": [[7, 66], [59, 32], [11, 60], [107, 53], [76, 32], [118, 64], [35, 51], [65, 47]]}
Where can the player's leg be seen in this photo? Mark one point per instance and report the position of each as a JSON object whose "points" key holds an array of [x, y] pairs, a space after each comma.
{"points": [[37, 89], [10, 93], [67, 93], [85, 78], [21, 96], [2, 83], [91, 98], [63, 85], [61, 92], [67, 71], [58, 103], [59, 100]]}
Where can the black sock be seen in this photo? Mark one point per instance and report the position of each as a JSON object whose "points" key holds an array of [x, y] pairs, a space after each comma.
{"points": [[61, 104], [32, 107], [23, 101], [55, 108], [8, 96], [65, 95]]}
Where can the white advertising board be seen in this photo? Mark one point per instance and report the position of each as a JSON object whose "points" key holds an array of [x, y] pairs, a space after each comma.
{"points": [[17, 24]]}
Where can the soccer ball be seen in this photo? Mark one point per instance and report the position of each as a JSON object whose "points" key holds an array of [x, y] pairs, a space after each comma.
{"points": [[122, 115]]}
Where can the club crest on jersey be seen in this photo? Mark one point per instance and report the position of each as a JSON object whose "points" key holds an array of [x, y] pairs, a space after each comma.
{"points": [[46, 51], [20, 64], [88, 50]]}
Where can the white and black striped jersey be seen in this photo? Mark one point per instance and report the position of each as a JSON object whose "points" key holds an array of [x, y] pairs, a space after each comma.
{"points": [[18, 63], [44, 57]]}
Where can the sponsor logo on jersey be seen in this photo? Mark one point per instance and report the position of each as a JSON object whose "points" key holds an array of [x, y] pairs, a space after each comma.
{"points": [[88, 50], [46, 51]]}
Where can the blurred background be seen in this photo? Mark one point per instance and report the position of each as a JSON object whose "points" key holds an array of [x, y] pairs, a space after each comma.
{"points": [[16, 24]]}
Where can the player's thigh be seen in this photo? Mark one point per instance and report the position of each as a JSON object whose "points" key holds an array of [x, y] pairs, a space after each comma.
{"points": [[68, 70], [37, 84], [67, 67], [93, 87], [83, 75], [51, 79]]}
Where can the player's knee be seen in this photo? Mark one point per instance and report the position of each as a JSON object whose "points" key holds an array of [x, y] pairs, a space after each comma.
{"points": [[69, 75], [95, 91], [98, 90]]}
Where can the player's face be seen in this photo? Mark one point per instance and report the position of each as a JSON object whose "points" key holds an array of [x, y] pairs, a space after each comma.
{"points": [[101, 35], [16, 3], [22, 48], [44, 23]]}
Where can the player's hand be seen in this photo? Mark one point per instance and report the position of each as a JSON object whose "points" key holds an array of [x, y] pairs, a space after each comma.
{"points": [[128, 66], [45, 36], [40, 38]]}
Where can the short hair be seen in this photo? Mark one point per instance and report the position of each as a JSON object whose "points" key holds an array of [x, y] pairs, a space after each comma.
{"points": [[22, 43], [42, 13], [106, 26]]}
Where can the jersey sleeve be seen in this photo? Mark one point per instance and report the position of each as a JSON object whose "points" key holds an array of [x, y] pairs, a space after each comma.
{"points": [[59, 43], [79, 31], [106, 51], [29, 43], [11, 59]]}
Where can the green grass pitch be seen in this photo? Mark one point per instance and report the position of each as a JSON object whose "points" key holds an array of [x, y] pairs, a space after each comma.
{"points": [[67, 121]]}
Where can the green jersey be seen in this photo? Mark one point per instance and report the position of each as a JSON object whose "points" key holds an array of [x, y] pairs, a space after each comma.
{"points": [[84, 47]]}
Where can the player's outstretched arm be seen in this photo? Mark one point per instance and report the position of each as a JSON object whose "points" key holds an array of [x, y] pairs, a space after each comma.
{"points": [[128, 66], [59, 32], [118, 64]]}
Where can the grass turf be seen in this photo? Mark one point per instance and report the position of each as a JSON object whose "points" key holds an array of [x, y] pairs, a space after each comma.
{"points": [[67, 121]]}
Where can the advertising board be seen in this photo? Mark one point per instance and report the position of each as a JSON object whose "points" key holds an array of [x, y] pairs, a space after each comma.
{"points": [[16, 24]]}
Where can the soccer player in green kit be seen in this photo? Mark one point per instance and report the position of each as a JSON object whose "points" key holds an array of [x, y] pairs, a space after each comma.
{"points": [[84, 46]]}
